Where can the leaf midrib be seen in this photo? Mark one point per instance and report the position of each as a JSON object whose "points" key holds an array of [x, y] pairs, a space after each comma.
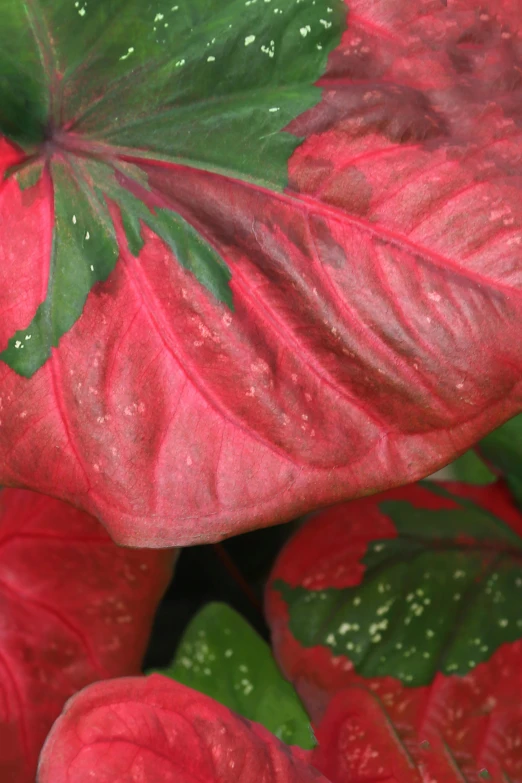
{"points": [[42, 39], [309, 206]]}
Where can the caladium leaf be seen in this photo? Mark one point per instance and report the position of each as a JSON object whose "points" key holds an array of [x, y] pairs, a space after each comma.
{"points": [[414, 593], [155, 729], [228, 297], [222, 656], [358, 742], [74, 608]]}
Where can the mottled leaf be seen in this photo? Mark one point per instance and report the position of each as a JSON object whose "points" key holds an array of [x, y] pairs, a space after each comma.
{"points": [[222, 656], [154, 729], [415, 594], [294, 275], [74, 608]]}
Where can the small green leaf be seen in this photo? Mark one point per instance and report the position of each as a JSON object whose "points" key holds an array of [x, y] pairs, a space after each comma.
{"points": [[470, 469], [503, 449], [222, 656]]}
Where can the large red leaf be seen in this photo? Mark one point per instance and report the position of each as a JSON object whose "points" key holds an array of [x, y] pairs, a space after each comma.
{"points": [[74, 608], [376, 305], [154, 729], [359, 743], [414, 594]]}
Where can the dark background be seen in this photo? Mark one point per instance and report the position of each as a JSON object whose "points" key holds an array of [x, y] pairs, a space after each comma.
{"points": [[234, 571]]}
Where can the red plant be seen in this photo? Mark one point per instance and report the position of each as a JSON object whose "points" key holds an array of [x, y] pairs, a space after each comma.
{"points": [[257, 258], [74, 608]]}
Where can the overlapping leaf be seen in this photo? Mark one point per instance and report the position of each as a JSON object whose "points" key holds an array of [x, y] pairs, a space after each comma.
{"points": [[222, 656], [74, 608], [154, 729], [414, 593], [310, 298], [358, 742]]}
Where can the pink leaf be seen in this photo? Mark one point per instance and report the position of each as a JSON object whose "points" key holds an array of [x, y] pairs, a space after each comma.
{"points": [[154, 729], [377, 307], [74, 608], [359, 743]]}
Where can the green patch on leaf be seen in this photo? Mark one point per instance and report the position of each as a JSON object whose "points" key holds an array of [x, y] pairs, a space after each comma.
{"points": [[442, 596], [222, 656], [204, 84], [85, 249]]}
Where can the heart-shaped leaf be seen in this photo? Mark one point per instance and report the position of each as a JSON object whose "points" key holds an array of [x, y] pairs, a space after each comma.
{"points": [[414, 593], [74, 608], [155, 729], [227, 297], [222, 656]]}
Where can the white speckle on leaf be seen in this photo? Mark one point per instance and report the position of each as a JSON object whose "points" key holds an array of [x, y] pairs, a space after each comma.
{"points": [[305, 30], [74, 219], [130, 50], [159, 17], [211, 59], [269, 50], [249, 40]]}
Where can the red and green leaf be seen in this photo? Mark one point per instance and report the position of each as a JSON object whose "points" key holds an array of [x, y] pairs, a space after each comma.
{"points": [[155, 729], [74, 608], [179, 76], [308, 263], [413, 593]]}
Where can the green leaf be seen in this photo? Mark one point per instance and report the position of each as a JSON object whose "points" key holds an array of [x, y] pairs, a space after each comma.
{"points": [[470, 469], [203, 84], [442, 595], [503, 449], [222, 656]]}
